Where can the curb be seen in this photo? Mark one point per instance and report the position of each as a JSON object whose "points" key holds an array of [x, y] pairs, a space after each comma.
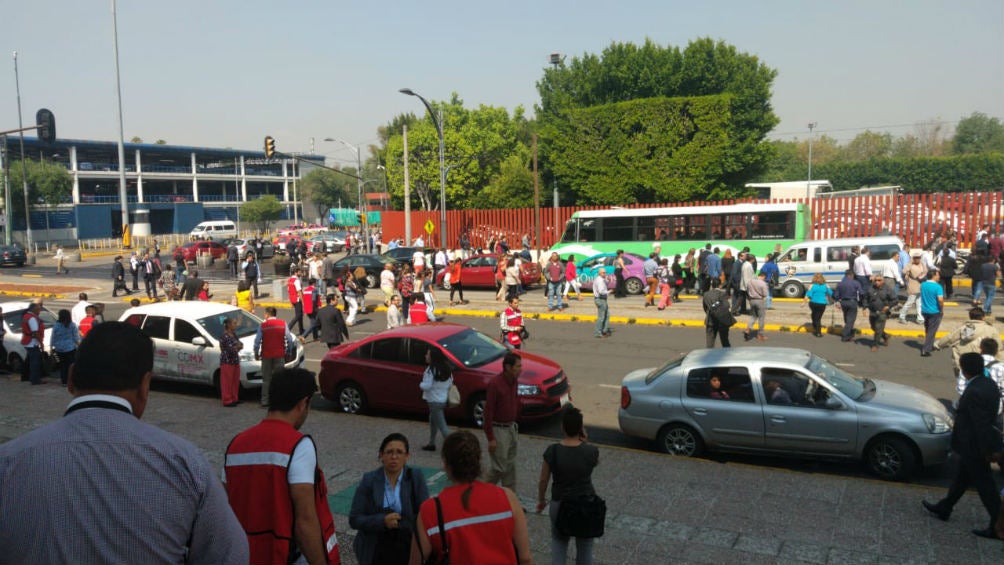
{"points": [[52, 295]]}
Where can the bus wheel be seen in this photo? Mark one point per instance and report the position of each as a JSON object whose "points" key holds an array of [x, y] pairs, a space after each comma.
{"points": [[792, 289]]}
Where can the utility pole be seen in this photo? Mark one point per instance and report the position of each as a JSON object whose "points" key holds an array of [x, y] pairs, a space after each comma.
{"points": [[5, 164], [808, 185], [407, 191], [536, 196], [24, 169]]}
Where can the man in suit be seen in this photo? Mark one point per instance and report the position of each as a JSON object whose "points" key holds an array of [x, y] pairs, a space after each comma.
{"points": [[333, 327], [976, 443]]}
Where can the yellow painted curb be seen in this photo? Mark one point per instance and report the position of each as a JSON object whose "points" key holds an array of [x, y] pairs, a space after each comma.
{"points": [[32, 294]]}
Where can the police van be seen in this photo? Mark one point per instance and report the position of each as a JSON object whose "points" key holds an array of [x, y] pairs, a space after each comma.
{"points": [[830, 258]]}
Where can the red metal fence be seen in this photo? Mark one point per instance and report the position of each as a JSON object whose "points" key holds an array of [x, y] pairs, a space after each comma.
{"points": [[914, 217]]}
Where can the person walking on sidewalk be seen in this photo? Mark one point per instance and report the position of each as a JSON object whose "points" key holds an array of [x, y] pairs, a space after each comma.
{"points": [[880, 299], [512, 325], [848, 296], [718, 316], [500, 415], [151, 274], [271, 343], [757, 291], [230, 364], [863, 269], [32, 339], [118, 278], [650, 267], [620, 291], [818, 297], [134, 270], [915, 273], [555, 274], [456, 281], [333, 328], [665, 278], [294, 292], [436, 382], [572, 278], [600, 295], [976, 442], [932, 306], [61, 261]]}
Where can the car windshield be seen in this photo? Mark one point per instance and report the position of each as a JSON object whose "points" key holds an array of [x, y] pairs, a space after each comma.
{"points": [[473, 348], [672, 364], [845, 383], [13, 318], [246, 323]]}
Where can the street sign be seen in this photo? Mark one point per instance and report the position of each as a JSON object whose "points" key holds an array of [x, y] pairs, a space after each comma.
{"points": [[429, 227]]}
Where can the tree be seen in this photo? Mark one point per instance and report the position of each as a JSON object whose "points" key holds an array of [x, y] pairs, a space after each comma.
{"points": [[261, 212], [160, 142], [326, 189], [626, 72], [47, 184], [867, 145], [978, 133], [136, 139]]}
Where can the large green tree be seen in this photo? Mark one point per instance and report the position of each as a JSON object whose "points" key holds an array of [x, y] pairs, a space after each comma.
{"points": [[978, 133], [47, 184], [261, 212], [327, 189], [627, 72]]}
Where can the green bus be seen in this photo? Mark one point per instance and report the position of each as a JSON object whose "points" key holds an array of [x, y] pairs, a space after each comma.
{"points": [[764, 228]]}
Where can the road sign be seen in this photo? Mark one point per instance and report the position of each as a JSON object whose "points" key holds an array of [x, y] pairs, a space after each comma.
{"points": [[429, 227]]}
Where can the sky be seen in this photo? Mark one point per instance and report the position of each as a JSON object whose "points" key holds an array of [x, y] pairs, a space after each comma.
{"points": [[225, 73]]}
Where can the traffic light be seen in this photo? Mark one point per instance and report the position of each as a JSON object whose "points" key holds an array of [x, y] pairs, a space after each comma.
{"points": [[269, 146], [46, 123]]}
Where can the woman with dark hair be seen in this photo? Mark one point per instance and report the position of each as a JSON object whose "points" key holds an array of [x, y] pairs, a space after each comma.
{"points": [[435, 387], [620, 291], [385, 505], [818, 296], [65, 339], [571, 462], [678, 277], [243, 296], [488, 524], [230, 364], [406, 285]]}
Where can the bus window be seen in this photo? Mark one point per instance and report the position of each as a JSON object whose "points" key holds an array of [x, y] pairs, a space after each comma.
{"points": [[587, 229], [773, 225], [646, 228], [618, 229], [569, 235]]}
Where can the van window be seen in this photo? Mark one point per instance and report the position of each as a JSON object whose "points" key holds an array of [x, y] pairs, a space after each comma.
{"points": [[839, 252], [883, 252], [817, 255]]}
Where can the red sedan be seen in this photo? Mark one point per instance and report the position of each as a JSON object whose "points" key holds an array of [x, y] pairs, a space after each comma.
{"points": [[191, 250], [479, 272], [383, 371]]}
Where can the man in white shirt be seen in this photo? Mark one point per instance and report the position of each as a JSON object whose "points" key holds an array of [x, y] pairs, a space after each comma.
{"points": [[79, 310], [440, 261], [863, 269], [600, 293], [891, 272]]}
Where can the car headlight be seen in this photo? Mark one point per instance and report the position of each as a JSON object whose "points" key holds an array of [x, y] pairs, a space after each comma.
{"points": [[527, 390], [937, 424]]}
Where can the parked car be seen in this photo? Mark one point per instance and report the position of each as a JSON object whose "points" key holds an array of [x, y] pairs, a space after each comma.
{"points": [[267, 249], [372, 264], [195, 248], [634, 275], [405, 254], [12, 255], [326, 241], [384, 370], [479, 272], [782, 401], [279, 243], [13, 312], [186, 340]]}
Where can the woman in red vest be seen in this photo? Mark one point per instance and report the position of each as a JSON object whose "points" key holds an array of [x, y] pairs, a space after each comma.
{"points": [[483, 523]]}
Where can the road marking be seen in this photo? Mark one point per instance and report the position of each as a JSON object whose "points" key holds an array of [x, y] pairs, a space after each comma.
{"points": [[610, 386], [844, 364]]}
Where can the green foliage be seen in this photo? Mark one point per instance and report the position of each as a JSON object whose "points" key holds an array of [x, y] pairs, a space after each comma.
{"points": [[47, 184], [720, 159], [325, 189], [511, 188], [956, 173], [261, 212], [978, 133]]}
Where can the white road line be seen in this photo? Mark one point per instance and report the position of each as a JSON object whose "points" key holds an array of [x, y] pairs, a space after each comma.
{"points": [[844, 364], [610, 386]]}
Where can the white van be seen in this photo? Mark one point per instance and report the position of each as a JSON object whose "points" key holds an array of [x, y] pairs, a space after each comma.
{"points": [[217, 230], [829, 257]]}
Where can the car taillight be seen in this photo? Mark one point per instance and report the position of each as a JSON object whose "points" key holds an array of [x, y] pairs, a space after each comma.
{"points": [[625, 397]]}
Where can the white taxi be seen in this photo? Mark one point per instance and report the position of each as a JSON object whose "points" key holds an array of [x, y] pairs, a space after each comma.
{"points": [[186, 340]]}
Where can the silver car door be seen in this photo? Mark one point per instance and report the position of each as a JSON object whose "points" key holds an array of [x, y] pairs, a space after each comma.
{"points": [[797, 418], [728, 414]]}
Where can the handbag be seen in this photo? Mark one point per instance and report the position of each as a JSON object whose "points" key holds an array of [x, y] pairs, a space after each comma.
{"points": [[453, 396], [580, 516]]}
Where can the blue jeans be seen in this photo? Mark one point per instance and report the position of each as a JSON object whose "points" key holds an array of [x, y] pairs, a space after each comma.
{"points": [[437, 421], [602, 316], [553, 295], [559, 543], [990, 290], [34, 363]]}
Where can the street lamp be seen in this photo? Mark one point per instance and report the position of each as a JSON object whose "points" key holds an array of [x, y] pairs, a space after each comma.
{"points": [[359, 185], [442, 167], [808, 185]]}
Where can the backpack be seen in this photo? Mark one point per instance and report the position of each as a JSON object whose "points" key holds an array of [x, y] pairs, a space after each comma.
{"points": [[720, 311]]}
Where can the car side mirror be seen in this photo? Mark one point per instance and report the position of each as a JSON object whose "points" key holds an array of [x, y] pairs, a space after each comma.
{"points": [[834, 404], [201, 341]]}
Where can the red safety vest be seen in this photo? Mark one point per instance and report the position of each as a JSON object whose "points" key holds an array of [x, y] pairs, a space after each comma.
{"points": [[480, 534], [27, 334], [273, 338], [291, 289], [308, 300], [85, 325], [419, 314], [513, 319], [256, 465]]}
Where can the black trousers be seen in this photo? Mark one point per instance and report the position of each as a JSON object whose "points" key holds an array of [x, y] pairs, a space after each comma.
{"points": [[817, 316], [253, 283], [457, 287], [973, 471], [620, 291], [297, 316], [877, 322], [850, 311], [716, 330]]}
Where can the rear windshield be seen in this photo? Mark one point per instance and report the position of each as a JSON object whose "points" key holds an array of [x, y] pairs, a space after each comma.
{"points": [[664, 369]]}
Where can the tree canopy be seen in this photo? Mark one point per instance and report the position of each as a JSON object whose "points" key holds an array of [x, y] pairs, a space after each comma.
{"points": [[327, 189], [47, 184], [978, 133], [261, 212]]}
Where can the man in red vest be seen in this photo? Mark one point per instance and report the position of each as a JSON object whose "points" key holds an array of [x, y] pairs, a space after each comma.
{"points": [[270, 345], [311, 303], [32, 338], [87, 322], [275, 484], [295, 290]]}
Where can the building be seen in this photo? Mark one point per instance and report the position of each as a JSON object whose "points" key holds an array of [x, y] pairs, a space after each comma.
{"points": [[179, 185]]}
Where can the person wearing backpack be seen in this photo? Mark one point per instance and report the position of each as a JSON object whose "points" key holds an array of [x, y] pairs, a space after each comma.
{"points": [[967, 337], [718, 316]]}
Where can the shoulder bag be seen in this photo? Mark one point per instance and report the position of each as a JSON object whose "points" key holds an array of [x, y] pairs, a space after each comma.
{"points": [[453, 396], [580, 516], [444, 558]]}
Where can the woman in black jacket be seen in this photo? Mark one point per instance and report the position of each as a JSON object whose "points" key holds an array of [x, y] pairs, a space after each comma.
{"points": [[947, 267]]}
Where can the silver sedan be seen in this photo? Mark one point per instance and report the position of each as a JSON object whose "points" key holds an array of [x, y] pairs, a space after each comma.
{"points": [[784, 402]]}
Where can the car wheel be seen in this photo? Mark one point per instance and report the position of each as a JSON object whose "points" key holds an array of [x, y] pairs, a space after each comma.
{"points": [[891, 458], [680, 439], [15, 364], [792, 289], [634, 285], [476, 409], [351, 398]]}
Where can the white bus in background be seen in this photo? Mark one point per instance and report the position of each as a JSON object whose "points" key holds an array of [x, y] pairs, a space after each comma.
{"points": [[891, 190], [790, 189]]}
